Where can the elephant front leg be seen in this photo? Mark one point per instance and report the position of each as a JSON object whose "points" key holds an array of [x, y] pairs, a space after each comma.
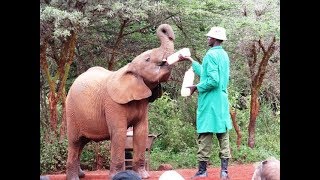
{"points": [[140, 135], [117, 153]]}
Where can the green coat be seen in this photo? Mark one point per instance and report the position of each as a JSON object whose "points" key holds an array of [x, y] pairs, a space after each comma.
{"points": [[213, 104]]}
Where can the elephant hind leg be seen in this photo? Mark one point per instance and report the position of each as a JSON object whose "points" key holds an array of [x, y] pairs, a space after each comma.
{"points": [[83, 142], [73, 163]]}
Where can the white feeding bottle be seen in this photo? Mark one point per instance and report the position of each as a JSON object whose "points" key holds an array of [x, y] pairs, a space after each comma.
{"points": [[175, 56], [187, 81]]}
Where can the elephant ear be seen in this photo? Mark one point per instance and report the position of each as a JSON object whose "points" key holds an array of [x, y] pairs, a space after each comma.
{"points": [[124, 86], [156, 93]]}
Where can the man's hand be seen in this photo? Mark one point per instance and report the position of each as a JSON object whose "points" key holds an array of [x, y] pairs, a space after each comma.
{"points": [[184, 58], [193, 88]]}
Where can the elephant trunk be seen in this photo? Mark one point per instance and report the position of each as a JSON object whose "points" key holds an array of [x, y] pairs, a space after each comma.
{"points": [[166, 36]]}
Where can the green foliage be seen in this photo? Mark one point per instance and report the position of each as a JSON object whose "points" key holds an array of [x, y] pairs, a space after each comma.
{"points": [[245, 154], [169, 148], [53, 154], [164, 119], [63, 22], [254, 19], [188, 108], [184, 159], [233, 96], [134, 10], [88, 156], [239, 76], [267, 137]]}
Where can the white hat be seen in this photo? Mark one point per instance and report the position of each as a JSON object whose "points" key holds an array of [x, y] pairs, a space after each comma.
{"points": [[217, 33], [171, 175]]}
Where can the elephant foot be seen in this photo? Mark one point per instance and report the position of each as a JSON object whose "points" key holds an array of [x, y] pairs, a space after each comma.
{"points": [[116, 168], [143, 173], [71, 177], [111, 174], [81, 173]]}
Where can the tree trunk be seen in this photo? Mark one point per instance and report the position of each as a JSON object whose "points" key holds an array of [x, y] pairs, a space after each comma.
{"points": [[99, 159], [43, 104], [236, 127], [63, 128], [254, 110], [112, 59], [53, 111], [57, 90], [256, 81], [64, 71]]}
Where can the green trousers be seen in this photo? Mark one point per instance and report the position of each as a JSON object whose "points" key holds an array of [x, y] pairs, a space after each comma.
{"points": [[205, 143]]}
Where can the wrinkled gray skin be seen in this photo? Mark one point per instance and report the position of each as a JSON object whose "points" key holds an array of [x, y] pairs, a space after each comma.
{"points": [[102, 104]]}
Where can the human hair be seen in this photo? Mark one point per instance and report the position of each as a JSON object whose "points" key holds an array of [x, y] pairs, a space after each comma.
{"points": [[267, 170]]}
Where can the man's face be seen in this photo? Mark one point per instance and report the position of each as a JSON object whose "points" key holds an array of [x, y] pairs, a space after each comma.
{"points": [[211, 41]]}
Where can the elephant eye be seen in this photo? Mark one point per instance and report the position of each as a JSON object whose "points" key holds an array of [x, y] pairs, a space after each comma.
{"points": [[148, 59]]}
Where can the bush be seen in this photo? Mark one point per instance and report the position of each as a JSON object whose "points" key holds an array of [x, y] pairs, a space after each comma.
{"points": [[53, 154], [183, 159], [164, 120], [89, 159], [267, 136]]}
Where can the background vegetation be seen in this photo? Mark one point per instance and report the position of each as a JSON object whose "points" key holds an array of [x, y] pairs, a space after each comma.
{"points": [[78, 34]]}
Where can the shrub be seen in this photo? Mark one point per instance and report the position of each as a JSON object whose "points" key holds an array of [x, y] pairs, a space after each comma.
{"points": [[267, 136], [91, 152], [176, 134], [53, 154]]}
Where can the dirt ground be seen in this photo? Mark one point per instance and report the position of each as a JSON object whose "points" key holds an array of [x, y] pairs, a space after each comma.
{"points": [[236, 172]]}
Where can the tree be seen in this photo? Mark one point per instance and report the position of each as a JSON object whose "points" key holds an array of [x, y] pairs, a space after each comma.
{"points": [[58, 36], [118, 32], [259, 40], [257, 79]]}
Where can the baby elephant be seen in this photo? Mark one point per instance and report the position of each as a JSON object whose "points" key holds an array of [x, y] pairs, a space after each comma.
{"points": [[102, 104], [267, 170]]}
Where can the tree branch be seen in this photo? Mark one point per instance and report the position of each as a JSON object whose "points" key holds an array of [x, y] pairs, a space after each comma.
{"points": [[68, 58], [236, 127], [116, 45], [252, 63], [44, 64], [149, 26], [264, 62], [186, 37]]}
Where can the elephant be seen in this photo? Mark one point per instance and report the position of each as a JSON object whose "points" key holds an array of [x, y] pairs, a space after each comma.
{"points": [[102, 104]]}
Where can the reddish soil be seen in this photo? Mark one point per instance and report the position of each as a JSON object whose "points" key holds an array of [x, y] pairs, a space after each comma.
{"points": [[236, 172]]}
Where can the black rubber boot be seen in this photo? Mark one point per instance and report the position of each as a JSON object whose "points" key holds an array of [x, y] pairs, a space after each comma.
{"points": [[224, 169], [202, 172]]}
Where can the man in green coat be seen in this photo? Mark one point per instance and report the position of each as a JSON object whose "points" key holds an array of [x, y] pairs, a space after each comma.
{"points": [[213, 105]]}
